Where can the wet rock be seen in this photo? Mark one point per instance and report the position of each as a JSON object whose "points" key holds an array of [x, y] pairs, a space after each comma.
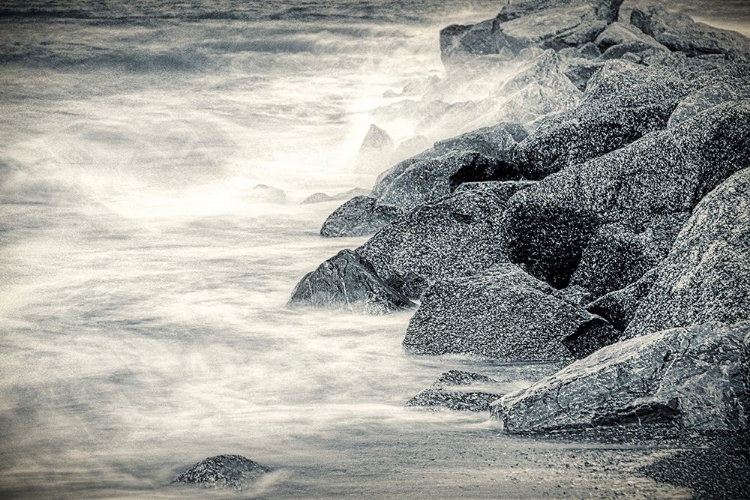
{"points": [[623, 50], [617, 255], [499, 313], [550, 224], [554, 27], [590, 336], [606, 9], [360, 216], [375, 151], [223, 471], [267, 194], [679, 32], [706, 276], [348, 280], [323, 197], [458, 390], [621, 33], [622, 103], [456, 236], [690, 378], [733, 89], [579, 71], [589, 51], [493, 142], [619, 307]]}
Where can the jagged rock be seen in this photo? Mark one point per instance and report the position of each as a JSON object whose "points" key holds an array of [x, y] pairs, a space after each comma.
{"points": [[267, 194], [734, 89], [688, 377], [499, 313], [427, 177], [589, 51], [549, 224], [223, 471], [617, 255], [458, 390], [746, 363], [579, 71], [679, 32], [322, 197], [456, 236], [620, 33], [554, 27], [706, 276], [348, 280], [375, 151], [623, 50], [360, 216], [619, 307], [622, 103]]}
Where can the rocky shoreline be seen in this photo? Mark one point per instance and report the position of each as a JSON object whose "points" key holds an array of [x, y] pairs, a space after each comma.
{"points": [[604, 224]]}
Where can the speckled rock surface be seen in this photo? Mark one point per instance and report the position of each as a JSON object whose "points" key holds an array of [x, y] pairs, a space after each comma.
{"points": [[622, 103], [549, 225], [348, 280], [691, 378], [458, 390], [456, 236], [500, 313], [730, 89], [606, 9], [580, 70], [222, 471], [619, 307], [706, 276], [618, 255], [360, 216], [619, 33], [679, 32]]}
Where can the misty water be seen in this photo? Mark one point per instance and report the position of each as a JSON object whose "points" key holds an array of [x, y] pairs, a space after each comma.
{"points": [[144, 284]]}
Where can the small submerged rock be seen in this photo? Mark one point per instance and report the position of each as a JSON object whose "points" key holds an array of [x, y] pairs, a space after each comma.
{"points": [[458, 390], [323, 197], [268, 194], [223, 471]]}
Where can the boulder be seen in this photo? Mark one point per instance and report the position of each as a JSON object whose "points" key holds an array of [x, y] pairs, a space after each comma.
{"points": [[555, 27], [348, 280], [375, 150], [323, 197], [622, 103], [620, 33], [679, 32], [458, 390], [706, 276], [606, 9], [500, 313], [456, 236], [222, 471], [548, 226], [267, 194], [360, 216], [619, 307], [627, 49], [734, 89], [617, 255], [690, 378]]}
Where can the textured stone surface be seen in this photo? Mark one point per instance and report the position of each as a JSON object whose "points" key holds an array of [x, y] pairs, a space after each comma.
{"points": [[622, 103], [619, 33], [223, 471], [458, 390], [688, 377], [347, 280], [619, 307], [499, 313], [606, 9], [617, 255], [706, 276], [455, 236], [730, 89], [680, 33], [580, 70], [549, 225], [360, 216]]}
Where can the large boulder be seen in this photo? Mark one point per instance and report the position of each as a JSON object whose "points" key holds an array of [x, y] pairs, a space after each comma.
{"points": [[622, 103], [679, 32], [706, 276], [348, 280], [618, 255], [360, 216], [550, 224], [690, 378], [222, 471], [458, 390], [620, 33], [456, 236], [619, 307], [725, 90], [500, 313]]}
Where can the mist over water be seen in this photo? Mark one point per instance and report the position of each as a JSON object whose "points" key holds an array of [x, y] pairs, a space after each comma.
{"points": [[144, 281]]}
